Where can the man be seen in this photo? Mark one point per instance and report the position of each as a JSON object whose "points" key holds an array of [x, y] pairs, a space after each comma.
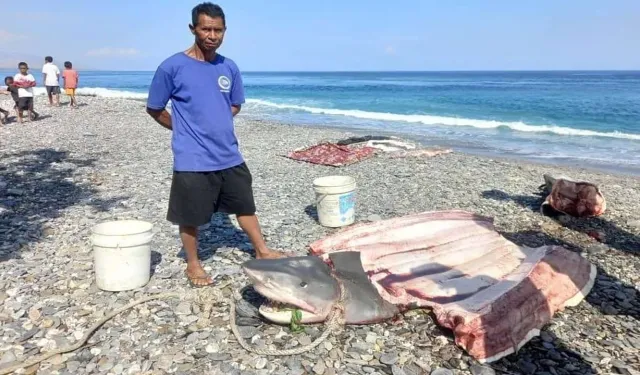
{"points": [[25, 82], [209, 173], [51, 79]]}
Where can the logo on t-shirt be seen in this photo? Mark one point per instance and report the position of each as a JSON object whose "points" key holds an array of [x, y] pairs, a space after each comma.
{"points": [[224, 83]]}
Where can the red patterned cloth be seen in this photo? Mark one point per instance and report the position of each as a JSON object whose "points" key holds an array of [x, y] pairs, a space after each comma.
{"points": [[332, 154]]}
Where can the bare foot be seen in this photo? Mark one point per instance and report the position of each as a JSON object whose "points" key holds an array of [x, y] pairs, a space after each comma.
{"points": [[270, 254], [197, 276]]}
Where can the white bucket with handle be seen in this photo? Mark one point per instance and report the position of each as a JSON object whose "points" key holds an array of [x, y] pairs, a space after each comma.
{"points": [[335, 200], [122, 254]]}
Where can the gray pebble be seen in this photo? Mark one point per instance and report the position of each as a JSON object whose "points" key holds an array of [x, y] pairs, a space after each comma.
{"points": [[481, 370], [389, 358], [62, 183], [442, 371]]}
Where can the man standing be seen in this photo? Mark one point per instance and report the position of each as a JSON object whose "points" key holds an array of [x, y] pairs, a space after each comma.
{"points": [[209, 173], [51, 79]]}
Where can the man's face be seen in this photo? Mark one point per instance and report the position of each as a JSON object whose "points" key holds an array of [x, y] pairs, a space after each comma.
{"points": [[209, 32]]}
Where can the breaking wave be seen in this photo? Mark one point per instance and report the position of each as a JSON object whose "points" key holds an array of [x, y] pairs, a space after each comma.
{"points": [[100, 92], [382, 116], [447, 121]]}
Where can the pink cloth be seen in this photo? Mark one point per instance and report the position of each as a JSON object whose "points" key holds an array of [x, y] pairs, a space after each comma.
{"points": [[332, 154]]}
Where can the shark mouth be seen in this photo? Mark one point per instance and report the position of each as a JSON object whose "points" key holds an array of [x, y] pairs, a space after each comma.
{"points": [[282, 312]]}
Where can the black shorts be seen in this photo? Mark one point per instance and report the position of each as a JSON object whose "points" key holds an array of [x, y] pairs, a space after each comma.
{"points": [[196, 196], [53, 90], [25, 103]]}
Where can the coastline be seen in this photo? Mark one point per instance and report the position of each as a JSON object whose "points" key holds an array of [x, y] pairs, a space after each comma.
{"points": [[425, 142], [74, 168]]}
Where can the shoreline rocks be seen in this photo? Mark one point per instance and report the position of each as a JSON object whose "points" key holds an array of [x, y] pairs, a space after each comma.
{"points": [[108, 160]]}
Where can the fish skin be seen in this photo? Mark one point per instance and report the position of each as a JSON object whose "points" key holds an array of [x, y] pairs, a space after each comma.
{"points": [[460, 292]]}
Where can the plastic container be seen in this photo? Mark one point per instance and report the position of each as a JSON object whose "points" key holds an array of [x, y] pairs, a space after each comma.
{"points": [[335, 200], [122, 254]]}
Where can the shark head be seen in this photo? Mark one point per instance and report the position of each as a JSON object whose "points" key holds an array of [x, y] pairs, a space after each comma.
{"points": [[296, 282]]}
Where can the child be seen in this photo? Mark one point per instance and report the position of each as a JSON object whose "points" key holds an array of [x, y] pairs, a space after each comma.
{"points": [[5, 113], [25, 82], [13, 91], [70, 77]]}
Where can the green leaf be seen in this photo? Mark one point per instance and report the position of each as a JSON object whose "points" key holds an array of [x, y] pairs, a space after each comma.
{"points": [[296, 317]]}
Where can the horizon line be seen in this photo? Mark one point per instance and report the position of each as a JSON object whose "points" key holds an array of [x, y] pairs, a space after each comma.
{"points": [[385, 71]]}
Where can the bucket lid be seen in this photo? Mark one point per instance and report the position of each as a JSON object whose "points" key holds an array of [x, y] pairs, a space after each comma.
{"points": [[328, 181], [121, 227]]}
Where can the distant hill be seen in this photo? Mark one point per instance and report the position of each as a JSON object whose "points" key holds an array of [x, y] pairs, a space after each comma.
{"points": [[10, 60]]}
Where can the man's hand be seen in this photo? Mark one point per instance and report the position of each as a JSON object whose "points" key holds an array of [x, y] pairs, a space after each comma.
{"points": [[235, 109], [162, 117]]}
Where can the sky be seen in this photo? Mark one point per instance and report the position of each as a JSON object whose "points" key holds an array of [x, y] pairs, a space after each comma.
{"points": [[345, 35]]}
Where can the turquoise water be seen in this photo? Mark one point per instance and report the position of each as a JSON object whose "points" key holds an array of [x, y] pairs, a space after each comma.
{"points": [[585, 118]]}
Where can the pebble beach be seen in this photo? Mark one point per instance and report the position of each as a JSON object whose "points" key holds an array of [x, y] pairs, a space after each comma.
{"points": [[74, 168]]}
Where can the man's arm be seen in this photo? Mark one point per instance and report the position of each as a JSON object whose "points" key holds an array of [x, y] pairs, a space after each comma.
{"points": [[160, 91], [237, 91], [162, 117]]}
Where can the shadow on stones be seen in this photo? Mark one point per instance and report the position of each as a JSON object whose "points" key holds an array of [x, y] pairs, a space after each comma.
{"points": [[66, 103], [35, 187], [43, 117], [614, 236], [156, 259], [220, 233], [14, 119], [311, 211]]}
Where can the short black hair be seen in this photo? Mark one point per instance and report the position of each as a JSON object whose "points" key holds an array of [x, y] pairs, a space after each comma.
{"points": [[67, 64], [209, 9], [22, 63], [8, 78], [48, 59]]}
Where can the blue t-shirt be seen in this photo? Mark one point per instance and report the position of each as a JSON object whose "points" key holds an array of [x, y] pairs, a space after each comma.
{"points": [[201, 95]]}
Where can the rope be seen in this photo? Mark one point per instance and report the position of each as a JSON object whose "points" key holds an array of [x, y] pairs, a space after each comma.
{"points": [[206, 298], [80, 343], [333, 323]]}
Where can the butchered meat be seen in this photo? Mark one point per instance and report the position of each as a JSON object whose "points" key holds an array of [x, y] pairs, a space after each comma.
{"points": [[493, 294]]}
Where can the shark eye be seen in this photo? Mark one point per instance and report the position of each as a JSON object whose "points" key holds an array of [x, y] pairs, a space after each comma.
{"points": [[303, 284]]}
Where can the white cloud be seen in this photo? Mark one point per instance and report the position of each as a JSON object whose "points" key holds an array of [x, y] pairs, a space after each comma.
{"points": [[6, 36], [390, 50], [109, 51]]}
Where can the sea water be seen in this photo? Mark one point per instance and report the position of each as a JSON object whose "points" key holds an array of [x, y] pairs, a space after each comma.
{"points": [[582, 118]]}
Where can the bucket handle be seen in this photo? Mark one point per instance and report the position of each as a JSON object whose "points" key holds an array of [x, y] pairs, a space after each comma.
{"points": [[319, 198]]}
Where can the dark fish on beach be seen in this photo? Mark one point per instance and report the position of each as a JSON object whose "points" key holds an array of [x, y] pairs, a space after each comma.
{"points": [[493, 294]]}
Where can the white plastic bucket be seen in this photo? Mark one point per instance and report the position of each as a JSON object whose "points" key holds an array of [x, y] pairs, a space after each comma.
{"points": [[335, 200], [122, 254]]}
